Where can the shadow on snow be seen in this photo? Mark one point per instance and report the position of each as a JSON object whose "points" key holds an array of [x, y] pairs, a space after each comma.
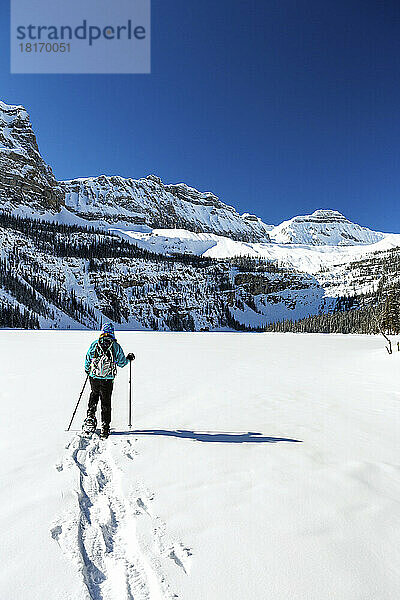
{"points": [[210, 436]]}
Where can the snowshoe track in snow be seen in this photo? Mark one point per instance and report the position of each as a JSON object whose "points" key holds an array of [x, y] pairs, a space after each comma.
{"points": [[99, 535]]}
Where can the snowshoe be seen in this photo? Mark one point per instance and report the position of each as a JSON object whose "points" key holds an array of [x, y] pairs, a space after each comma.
{"points": [[89, 425], [105, 432]]}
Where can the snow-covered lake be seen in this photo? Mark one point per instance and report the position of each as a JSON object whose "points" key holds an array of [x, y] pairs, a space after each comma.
{"points": [[260, 466]]}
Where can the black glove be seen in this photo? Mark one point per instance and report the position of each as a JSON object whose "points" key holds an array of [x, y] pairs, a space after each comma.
{"points": [[130, 356]]}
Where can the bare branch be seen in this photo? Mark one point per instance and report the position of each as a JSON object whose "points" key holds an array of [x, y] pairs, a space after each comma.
{"points": [[389, 349]]}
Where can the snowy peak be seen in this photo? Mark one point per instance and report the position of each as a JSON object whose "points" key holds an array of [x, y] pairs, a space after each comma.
{"points": [[14, 124], [24, 176], [152, 203], [326, 216], [323, 228]]}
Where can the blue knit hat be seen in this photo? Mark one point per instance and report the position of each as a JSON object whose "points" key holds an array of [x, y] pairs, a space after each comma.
{"points": [[108, 329]]}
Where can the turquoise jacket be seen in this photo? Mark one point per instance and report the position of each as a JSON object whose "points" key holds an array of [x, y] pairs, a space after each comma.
{"points": [[119, 357]]}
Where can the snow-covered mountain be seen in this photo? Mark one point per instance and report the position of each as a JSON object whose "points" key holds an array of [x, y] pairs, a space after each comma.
{"points": [[150, 202], [26, 181], [323, 228], [72, 276]]}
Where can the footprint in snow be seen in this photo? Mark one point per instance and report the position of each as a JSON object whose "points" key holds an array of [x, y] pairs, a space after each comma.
{"points": [[56, 532], [171, 548], [128, 450]]}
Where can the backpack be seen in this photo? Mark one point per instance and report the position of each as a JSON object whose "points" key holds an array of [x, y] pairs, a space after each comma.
{"points": [[103, 364]]}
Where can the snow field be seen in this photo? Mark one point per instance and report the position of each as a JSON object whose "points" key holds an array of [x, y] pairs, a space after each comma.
{"points": [[303, 257], [260, 466]]}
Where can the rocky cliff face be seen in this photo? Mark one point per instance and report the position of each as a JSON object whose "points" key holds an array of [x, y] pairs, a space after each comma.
{"points": [[25, 179], [150, 202], [324, 228]]}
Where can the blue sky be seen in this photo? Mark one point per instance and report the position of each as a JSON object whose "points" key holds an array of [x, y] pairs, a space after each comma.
{"points": [[277, 106]]}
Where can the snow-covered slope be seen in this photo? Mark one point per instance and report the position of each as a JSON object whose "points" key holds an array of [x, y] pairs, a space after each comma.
{"points": [[309, 258], [323, 228], [149, 201], [24, 176], [44, 270], [267, 469]]}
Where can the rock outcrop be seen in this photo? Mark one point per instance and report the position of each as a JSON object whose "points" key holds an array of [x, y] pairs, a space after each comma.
{"points": [[25, 178]]}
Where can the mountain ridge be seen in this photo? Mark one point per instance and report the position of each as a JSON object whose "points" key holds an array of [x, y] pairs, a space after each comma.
{"points": [[28, 183], [149, 202]]}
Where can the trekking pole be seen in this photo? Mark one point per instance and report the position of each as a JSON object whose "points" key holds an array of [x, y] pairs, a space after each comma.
{"points": [[130, 395], [77, 404]]}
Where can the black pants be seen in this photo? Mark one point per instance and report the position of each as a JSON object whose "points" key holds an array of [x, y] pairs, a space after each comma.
{"points": [[101, 388]]}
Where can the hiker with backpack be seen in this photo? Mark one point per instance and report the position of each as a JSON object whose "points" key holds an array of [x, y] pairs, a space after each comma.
{"points": [[102, 359]]}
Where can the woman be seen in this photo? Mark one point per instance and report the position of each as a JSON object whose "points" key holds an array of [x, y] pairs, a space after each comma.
{"points": [[102, 359]]}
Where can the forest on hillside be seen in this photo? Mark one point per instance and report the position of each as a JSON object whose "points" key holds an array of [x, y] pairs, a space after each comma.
{"points": [[86, 274]]}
